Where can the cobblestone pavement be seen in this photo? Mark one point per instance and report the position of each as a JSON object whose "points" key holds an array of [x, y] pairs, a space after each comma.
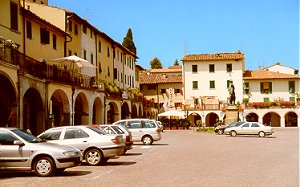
{"points": [[187, 158]]}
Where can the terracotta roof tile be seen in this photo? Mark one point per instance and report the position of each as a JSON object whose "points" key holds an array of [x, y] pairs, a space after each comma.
{"points": [[264, 74], [158, 79], [166, 70], [217, 56]]}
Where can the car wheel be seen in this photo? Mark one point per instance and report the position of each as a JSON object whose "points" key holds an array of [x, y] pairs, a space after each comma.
{"points": [[261, 134], [220, 131], [147, 140], [93, 157], [44, 166], [233, 133]]}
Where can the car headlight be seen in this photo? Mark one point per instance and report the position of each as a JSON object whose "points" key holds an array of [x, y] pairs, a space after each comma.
{"points": [[70, 153]]}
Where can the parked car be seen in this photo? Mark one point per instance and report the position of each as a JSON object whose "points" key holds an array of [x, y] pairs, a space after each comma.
{"points": [[250, 128], [220, 129], [143, 130], [20, 150], [119, 129], [96, 146]]}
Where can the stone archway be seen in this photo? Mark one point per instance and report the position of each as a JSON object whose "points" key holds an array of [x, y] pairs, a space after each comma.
{"points": [[60, 109], [112, 112], [134, 111], [291, 119], [211, 119], [125, 112], [97, 111], [271, 119], [33, 113], [252, 117], [8, 104], [81, 115], [195, 119]]}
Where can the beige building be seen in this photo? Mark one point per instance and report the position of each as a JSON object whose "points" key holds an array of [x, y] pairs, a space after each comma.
{"points": [[163, 87]]}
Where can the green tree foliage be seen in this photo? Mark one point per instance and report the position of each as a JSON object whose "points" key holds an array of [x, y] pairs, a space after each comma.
{"points": [[128, 42], [176, 63], [155, 63]]}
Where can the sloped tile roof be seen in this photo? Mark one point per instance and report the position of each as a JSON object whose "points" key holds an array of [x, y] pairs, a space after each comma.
{"points": [[264, 74], [166, 70], [217, 56], [148, 78]]}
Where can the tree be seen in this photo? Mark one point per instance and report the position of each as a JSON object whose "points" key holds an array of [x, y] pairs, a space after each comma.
{"points": [[155, 63], [176, 63], [128, 42]]}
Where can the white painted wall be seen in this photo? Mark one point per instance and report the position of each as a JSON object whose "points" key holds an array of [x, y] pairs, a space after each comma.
{"points": [[281, 69], [220, 76]]}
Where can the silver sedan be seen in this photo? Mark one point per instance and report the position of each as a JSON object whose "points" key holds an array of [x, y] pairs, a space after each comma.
{"points": [[250, 128], [96, 145], [22, 151]]}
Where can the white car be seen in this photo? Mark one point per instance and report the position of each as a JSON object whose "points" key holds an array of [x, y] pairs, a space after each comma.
{"points": [[143, 130], [96, 145], [250, 128]]}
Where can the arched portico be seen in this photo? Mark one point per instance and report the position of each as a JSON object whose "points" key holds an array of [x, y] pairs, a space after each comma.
{"points": [[112, 112], [59, 109], [125, 112], [81, 109], [33, 111], [291, 119], [8, 103], [97, 111], [134, 113], [271, 119], [211, 119]]}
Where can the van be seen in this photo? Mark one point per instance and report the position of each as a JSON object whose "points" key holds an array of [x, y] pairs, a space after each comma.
{"points": [[143, 130]]}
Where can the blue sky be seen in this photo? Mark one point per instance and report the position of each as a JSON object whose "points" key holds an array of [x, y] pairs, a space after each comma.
{"points": [[266, 31]]}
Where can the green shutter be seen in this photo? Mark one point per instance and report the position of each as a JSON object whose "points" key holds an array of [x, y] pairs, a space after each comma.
{"points": [[261, 87]]}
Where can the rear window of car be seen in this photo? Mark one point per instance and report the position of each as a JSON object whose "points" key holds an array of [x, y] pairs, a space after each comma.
{"points": [[97, 130], [51, 135], [117, 129]]}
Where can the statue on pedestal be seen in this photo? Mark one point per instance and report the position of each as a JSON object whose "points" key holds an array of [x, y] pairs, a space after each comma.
{"points": [[231, 94]]}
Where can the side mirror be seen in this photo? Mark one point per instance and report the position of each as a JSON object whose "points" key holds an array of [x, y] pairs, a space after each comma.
{"points": [[19, 143]]}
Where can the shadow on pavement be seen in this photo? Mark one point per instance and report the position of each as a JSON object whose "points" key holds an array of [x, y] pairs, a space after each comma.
{"points": [[17, 173], [132, 154], [119, 163]]}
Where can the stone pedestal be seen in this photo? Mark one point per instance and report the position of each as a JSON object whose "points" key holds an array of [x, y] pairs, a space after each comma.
{"points": [[232, 114]]}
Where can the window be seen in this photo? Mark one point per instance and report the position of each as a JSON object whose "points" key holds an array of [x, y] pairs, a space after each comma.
{"points": [[115, 73], [75, 133], [178, 105], [99, 46], [266, 99], [195, 84], [51, 135], [292, 99], [91, 34], [70, 52], [84, 54], [292, 86], [229, 82], [84, 29], [246, 88], [254, 125], [229, 67], [108, 53], [148, 124], [266, 87], [194, 68], [177, 91], [163, 91], [45, 36], [92, 58], [212, 84], [7, 138], [76, 29], [246, 125], [54, 41], [211, 68], [28, 29], [13, 16], [108, 72], [70, 25], [134, 124]]}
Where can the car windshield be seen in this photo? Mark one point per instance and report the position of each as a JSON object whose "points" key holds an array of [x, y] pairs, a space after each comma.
{"points": [[28, 137], [97, 130], [232, 124]]}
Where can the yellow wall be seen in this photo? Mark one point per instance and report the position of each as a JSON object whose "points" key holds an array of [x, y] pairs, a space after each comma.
{"points": [[75, 45], [39, 51], [5, 31], [105, 61]]}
